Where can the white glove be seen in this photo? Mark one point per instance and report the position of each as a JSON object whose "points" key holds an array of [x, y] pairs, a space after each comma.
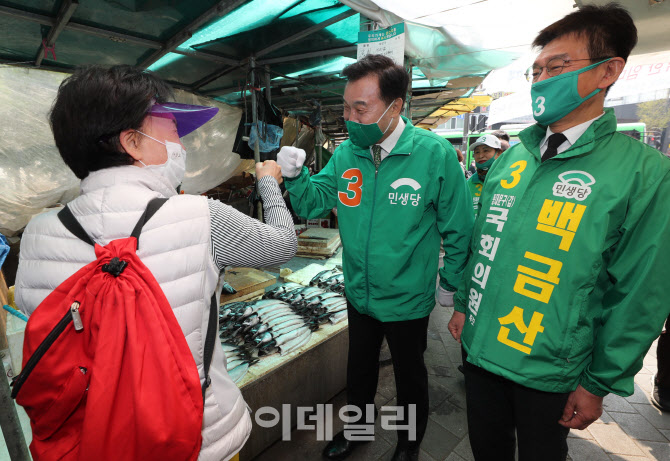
{"points": [[444, 298], [290, 159]]}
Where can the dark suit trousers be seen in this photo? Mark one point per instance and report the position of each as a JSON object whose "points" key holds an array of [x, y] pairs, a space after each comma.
{"points": [[407, 343], [663, 357], [501, 411]]}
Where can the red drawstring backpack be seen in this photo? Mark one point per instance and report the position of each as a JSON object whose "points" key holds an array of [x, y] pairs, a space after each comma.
{"points": [[107, 373]]}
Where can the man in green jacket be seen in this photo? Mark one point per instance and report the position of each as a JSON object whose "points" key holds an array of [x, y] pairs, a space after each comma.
{"points": [[564, 290], [398, 190]]}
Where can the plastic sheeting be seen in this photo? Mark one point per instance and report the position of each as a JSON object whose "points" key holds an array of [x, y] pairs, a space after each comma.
{"points": [[32, 174], [210, 159], [34, 177], [452, 38]]}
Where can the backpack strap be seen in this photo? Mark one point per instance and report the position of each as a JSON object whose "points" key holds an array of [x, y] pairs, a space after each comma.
{"points": [[70, 222], [210, 342], [153, 206]]}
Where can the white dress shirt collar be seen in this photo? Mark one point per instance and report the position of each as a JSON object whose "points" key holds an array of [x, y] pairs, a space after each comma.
{"points": [[572, 135], [389, 143]]}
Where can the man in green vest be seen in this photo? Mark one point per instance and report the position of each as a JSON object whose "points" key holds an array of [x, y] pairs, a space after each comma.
{"points": [[398, 190], [565, 288]]}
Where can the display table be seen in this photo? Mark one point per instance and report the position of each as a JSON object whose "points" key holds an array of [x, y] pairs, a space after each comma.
{"points": [[310, 375]]}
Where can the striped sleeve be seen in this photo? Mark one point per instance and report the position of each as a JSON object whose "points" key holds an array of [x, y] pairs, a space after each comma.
{"points": [[240, 240]]}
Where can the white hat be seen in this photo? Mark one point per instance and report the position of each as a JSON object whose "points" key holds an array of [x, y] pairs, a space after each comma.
{"points": [[487, 139]]}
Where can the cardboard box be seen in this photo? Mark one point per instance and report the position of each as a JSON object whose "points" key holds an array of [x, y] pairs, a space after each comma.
{"points": [[325, 223]]}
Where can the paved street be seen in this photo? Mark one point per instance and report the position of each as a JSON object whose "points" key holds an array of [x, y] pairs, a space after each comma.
{"points": [[630, 429]]}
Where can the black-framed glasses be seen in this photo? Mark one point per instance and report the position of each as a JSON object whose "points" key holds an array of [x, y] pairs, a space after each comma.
{"points": [[554, 67]]}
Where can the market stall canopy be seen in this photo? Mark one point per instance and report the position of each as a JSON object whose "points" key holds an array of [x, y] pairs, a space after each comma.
{"points": [[453, 109], [206, 47], [448, 39]]}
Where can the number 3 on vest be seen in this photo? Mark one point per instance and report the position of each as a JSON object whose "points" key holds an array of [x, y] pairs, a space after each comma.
{"points": [[354, 186], [516, 174]]}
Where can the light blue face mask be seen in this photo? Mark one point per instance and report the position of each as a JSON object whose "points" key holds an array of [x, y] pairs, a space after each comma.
{"points": [[364, 135], [556, 97]]}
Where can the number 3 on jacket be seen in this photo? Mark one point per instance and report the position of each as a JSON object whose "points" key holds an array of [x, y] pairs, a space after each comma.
{"points": [[354, 186], [516, 174]]}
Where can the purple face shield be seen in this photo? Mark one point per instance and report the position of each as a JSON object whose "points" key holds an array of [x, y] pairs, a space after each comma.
{"points": [[189, 117]]}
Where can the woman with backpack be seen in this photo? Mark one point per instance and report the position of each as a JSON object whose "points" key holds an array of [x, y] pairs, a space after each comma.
{"points": [[117, 132]]}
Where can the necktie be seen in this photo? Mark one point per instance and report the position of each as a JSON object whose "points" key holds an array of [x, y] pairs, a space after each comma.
{"points": [[377, 155], [553, 142]]}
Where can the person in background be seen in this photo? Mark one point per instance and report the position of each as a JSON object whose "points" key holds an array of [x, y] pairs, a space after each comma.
{"points": [[116, 130], [472, 169], [461, 159], [565, 288], [398, 190], [486, 150], [504, 139]]}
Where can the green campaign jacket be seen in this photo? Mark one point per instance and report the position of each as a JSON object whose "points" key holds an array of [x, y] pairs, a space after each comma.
{"points": [[569, 261], [475, 186], [391, 221]]}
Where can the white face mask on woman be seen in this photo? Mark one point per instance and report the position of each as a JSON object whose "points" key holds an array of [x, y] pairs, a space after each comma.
{"points": [[174, 167]]}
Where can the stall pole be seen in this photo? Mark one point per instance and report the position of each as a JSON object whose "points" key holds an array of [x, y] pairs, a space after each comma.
{"points": [[254, 107], [268, 84], [365, 23], [254, 119], [319, 153], [408, 97], [11, 426], [298, 127], [466, 130]]}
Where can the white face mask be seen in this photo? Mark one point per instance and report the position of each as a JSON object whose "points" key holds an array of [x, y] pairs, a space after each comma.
{"points": [[174, 167]]}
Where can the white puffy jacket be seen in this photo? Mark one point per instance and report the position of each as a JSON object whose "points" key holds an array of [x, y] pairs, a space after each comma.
{"points": [[174, 245]]}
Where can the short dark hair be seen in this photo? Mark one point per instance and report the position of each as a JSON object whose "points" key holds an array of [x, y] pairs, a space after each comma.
{"points": [[501, 134], [609, 30], [93, 106], [393, 79]]}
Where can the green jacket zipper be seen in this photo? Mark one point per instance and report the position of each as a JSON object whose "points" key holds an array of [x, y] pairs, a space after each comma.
{"points": [[367, 245]]}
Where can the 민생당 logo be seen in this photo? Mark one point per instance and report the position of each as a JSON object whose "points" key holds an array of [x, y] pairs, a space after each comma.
{"points": [[404, 198], [574, 184]]}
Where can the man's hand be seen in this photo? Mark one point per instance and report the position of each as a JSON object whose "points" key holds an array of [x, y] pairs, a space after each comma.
{"points": [[290, 159], [268, 168], [456, 325], [581, 410]]}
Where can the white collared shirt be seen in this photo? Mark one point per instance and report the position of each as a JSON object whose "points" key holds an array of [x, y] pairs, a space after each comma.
{"points": [[572, 135], [389, 143]]}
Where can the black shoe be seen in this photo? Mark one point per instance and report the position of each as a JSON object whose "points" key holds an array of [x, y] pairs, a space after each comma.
{"points": [[406, 454], [660, 396], [339, 448]]}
